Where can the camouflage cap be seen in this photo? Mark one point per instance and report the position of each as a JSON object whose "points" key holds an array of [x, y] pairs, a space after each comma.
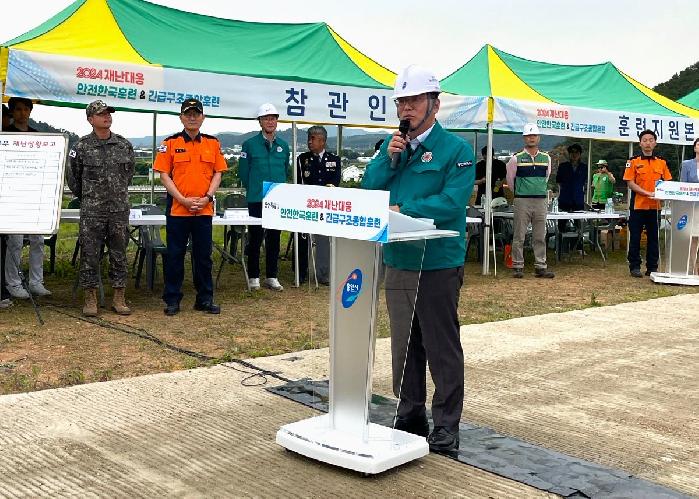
{"points": [[97, 107], [192, 104]]}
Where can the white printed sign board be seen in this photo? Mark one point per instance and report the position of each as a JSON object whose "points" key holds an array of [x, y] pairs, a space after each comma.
{"points": [[677, 191], [329, 211], [31, 182]]}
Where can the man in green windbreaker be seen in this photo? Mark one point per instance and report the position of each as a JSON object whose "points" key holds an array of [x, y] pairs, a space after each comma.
{"points": [[265, 157], [432, 179]]}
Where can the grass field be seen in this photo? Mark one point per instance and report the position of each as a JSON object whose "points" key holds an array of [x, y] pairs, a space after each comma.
{"points": [[69, 349]]}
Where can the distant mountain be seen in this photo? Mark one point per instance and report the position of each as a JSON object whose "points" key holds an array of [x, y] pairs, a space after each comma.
{"points": [[46, 128], [360, 140], [508, 142], [351, 137], [147, 141]]}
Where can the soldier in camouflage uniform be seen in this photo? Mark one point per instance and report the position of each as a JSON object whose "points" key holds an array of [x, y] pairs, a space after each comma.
{"points": [[101, 168]]}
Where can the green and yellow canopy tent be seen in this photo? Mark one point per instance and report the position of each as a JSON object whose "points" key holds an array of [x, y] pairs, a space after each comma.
{"points": [[691, 99], [592, 102], [144, 57], [140, 56]]}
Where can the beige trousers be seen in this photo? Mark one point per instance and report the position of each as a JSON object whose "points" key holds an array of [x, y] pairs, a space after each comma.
{"points": [[529, 211]]}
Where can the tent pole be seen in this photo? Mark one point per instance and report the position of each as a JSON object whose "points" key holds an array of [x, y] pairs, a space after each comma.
{"points": [[589, 171], [153, 153], [628, 196], [475, 145], [339, 141], [487, 204], [295, 235]]}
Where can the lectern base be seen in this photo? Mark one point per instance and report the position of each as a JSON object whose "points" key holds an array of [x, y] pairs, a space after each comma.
{"points": [[666, 278], [384, 449]]}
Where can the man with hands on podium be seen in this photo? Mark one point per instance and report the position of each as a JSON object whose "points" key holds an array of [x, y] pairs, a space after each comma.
{"points": [[432, 177], [641, 174]]}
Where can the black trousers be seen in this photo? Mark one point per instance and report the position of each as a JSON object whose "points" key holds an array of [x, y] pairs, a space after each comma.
{"points": [[178, 230], [639, 220], [271, 238], [424, 331]]}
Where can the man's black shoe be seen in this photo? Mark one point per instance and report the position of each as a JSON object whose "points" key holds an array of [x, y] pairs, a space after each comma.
{"points": [[649, 271], [171, 310], [443, 440], [545, 273], [517, 273], [209, 307], [635, 273], [416, 426]]}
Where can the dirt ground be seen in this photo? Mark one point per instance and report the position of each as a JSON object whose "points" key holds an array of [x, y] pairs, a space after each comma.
{"points": [[69, 349]]}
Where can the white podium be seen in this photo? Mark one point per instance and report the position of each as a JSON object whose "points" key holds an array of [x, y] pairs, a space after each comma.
{"points": [[683, 233], [344, 436]]}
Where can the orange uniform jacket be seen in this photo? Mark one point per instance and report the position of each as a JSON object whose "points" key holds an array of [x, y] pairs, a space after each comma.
{"points": [[645, 171], [191, 164]]}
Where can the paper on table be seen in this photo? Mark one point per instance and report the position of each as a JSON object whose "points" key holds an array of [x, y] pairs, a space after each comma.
{"points": [[235, 213], [397, 222]]}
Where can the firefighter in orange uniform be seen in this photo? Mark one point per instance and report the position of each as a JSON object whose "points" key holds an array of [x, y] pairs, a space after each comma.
{"points": [[190, 165], [641, 174]]}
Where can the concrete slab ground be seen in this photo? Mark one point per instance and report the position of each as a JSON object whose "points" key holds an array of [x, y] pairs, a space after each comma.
{"points": [[615, 385]]}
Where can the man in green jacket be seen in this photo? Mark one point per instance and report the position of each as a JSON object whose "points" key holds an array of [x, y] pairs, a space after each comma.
{"points": [[433, 179], [265, 157], [603, 184]]}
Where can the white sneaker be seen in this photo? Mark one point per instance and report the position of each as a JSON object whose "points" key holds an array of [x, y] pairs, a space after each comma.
{"points": [[254, 283], [18, 292], [6, 303], [39, 290], [273, 284]]}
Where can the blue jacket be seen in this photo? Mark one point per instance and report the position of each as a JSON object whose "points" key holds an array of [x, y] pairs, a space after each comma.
{"points": [[435, 182], [689, 171], [573, 182]]}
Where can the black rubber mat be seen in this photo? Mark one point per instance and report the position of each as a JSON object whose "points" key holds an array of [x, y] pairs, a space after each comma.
{"points": [[505, 456]]}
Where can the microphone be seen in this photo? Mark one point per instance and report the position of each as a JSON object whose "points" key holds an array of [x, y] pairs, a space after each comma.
{"points": [[403, 128]]}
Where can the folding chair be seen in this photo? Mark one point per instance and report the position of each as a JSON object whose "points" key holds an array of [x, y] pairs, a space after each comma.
{"points": [[474, 233], [232, 235], [150, 245]]}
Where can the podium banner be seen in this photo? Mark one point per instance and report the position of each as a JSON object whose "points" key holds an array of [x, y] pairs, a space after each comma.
{"points": [[329, 211], [676, 191]]}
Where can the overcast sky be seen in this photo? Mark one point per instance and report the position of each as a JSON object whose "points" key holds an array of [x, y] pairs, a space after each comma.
{"points": [[650, 41]]}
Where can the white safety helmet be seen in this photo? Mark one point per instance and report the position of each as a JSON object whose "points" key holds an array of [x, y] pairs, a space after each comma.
{"points": [[266, 109], [415, 80], [530, 129], [499, 202]]}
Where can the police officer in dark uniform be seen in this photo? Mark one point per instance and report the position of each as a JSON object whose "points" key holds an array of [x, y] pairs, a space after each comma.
{"points": [[317, 167], [101, 168]]}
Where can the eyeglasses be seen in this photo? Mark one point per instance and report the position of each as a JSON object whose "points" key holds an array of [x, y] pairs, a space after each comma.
{"points": [[413, 100]]}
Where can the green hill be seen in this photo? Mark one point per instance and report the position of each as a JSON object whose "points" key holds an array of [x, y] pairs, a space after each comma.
{"points": [[681, 83]]}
